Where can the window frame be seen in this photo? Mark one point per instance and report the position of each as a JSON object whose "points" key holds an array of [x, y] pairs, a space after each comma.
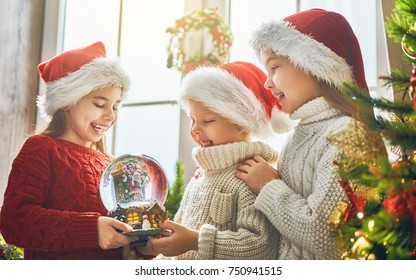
{"points": [[53, 44]]}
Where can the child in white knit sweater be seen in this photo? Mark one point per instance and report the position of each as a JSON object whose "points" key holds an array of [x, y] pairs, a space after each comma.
{"points": [[307, 57], [217, 218]]}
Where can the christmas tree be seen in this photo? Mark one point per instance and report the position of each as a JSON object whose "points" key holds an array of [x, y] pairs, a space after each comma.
{"points": [[175, 191], [378, 221], [119, 214]]}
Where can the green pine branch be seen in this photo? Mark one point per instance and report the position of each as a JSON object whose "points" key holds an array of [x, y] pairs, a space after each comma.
{"points": [[402, 23], [399, 108], [10, 252], [398, 79], [399, 133], [380, 233], [396, 234], [175, 191], [407, 8], [396, 27]]}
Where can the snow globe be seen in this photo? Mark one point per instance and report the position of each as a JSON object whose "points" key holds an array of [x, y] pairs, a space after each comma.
{"points": [[134, 188]]}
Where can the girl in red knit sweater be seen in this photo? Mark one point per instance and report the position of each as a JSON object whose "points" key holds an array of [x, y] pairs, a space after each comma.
{"points": [[52, 207]]}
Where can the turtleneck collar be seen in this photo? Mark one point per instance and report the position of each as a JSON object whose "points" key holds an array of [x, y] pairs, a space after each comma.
{"points": [[315, 110], [227, 155]]}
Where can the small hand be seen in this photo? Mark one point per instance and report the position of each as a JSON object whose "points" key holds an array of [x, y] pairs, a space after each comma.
{"points": [[131, 253], [181, 240], [256, 172], [109, 237]]}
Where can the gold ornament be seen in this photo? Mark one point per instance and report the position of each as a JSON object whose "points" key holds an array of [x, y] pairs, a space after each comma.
{"points": [[375, 170], [412, 156], [407, 49], [358, 144], [337, 216]]}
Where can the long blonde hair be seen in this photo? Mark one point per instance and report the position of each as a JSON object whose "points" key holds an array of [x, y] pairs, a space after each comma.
{"points": [[352, 108], [56, 127], [341, 102]]}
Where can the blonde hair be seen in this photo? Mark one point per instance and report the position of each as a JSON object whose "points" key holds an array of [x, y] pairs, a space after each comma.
{"points": [[352, 108], [57, 126], [345, 104]]}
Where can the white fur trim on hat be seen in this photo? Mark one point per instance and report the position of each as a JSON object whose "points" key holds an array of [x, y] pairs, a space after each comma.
{"points": [[281, 122], [303, 51], [227, 96], [98, 74]]}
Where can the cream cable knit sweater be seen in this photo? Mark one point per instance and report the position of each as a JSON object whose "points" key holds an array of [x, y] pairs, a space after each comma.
{"points": [[222, 206], [299, 205]]}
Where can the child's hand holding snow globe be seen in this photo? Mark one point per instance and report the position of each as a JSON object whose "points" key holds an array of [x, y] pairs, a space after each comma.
{"points": [[134, 188]]}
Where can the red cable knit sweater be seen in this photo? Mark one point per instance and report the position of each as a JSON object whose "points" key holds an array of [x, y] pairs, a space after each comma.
{"points": [[52, 201]]}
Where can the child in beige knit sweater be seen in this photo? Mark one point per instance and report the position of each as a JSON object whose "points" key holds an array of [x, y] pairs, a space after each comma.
{"points": [[217, 218]]}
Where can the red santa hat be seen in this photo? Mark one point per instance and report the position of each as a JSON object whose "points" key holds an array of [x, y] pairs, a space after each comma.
{"points": [[235, 91], [319, 42], [73, 74]]}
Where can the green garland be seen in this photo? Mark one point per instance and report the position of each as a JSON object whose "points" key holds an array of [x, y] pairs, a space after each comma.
{"points": [[197, 21], [9, 252]]}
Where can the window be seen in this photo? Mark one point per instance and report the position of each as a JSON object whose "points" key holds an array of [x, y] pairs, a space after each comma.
{"points": [[362, 17], [360, 14], [260, 11], [133, 218], [148, 122]]}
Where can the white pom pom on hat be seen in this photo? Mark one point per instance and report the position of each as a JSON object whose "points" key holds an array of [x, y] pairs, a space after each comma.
{"points": [[236, 91]]}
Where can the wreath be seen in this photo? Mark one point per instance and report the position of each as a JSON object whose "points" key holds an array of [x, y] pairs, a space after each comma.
{"points": [[194, 25]]}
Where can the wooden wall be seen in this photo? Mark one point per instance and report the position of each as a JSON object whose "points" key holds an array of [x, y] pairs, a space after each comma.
{"points": [[394, 48], [20, 49]]}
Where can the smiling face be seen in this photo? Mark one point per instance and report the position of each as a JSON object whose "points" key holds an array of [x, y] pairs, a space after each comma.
{"points": [[292, 86], [92, 116], [209, 128]]}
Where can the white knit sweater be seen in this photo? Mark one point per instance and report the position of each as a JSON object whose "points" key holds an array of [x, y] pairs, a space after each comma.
{"points": [[221, 206], [299, 205]]}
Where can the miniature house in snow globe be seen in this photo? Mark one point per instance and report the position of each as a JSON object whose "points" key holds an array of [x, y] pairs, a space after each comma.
{"points": [[133, 188]]}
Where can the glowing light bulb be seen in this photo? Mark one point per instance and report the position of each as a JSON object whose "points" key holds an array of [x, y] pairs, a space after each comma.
{"points": [[371, 225]]}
